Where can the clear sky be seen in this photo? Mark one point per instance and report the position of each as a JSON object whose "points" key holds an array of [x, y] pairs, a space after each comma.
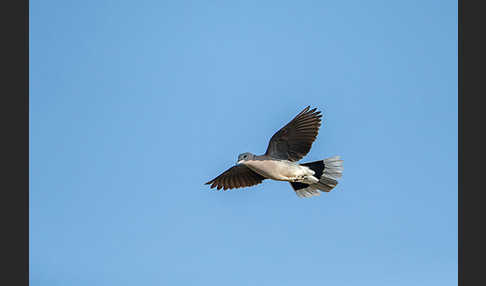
{"points": [[134, 105]]}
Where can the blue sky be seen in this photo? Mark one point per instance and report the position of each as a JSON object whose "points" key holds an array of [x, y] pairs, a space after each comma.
{"points": [[134, 105]]}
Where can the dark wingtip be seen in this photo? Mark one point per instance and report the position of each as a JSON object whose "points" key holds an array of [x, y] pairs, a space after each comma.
{"points": [[316, 112], [313, 110], [303, 111]]}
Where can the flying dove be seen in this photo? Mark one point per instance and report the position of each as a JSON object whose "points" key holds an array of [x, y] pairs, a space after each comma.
{"points": [[285, 149]]}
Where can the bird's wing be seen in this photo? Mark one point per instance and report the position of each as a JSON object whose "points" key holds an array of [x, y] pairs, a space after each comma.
{"points": [[236, 177], [295, 139]]}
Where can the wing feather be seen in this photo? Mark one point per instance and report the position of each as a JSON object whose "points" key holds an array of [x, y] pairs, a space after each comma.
{"points": [[236, 177], [293, 141]]}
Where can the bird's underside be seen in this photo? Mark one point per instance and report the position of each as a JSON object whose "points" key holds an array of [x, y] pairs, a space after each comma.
{"points": [[282, 170], [287, 146]]}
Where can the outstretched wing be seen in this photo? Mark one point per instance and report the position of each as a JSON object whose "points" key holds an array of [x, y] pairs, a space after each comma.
{"points": [[295, 139], [236, 177]]}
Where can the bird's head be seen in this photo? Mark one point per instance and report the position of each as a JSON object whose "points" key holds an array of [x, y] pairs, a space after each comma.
{"points": [[244, 157]]}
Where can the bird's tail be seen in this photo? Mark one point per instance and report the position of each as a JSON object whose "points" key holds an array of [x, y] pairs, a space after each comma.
{"points": [[327, 171]]}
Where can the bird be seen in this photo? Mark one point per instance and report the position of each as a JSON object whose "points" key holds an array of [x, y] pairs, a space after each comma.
{"points": [[280, 161]]}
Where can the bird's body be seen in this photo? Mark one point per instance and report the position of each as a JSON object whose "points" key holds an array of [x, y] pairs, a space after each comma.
{"points": [[286, 147], [281, 170]]}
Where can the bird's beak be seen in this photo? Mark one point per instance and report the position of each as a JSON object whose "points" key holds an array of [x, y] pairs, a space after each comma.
{"points": [[239, 162]]}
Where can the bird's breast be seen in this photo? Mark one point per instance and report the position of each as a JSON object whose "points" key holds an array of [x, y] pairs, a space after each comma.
{"points": [[280, 170]]}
